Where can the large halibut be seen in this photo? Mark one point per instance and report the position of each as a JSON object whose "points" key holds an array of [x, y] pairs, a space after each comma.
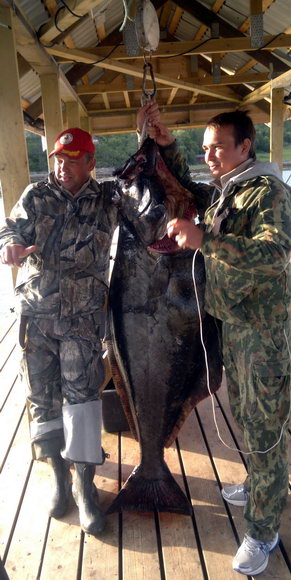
{"points": [[155, 350]]}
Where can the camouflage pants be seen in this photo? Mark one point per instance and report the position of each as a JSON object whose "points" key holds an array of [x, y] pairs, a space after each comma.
{"points": [[257, 366], [61, 362]]}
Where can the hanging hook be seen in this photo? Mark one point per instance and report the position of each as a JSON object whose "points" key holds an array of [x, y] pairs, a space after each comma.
{"points": [[147, 95]]}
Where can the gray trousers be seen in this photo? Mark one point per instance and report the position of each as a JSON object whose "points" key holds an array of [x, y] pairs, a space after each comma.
{"points": [[63, 369]]}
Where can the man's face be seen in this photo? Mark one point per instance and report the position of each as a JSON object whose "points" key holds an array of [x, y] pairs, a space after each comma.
{"points": [[221, 153], [73, 173]]}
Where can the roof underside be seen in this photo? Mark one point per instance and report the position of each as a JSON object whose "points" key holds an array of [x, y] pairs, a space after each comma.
{"points": [[228, 55]]}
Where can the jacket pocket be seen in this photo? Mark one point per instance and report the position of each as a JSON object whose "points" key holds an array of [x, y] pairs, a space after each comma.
{"points": [[271, 392]]}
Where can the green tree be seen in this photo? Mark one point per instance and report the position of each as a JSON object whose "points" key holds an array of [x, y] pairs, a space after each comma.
{"points": [[37, 158], [113, 150]]}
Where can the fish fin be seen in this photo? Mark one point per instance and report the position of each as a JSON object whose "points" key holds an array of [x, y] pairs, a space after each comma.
{"points": [[143, 494], [120, 388]]}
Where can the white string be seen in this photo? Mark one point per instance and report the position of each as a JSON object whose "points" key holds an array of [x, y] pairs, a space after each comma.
{"points": [[208, 381]]}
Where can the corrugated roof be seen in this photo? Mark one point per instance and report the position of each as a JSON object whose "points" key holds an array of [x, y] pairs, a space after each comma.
{"points": [[106, 17]]}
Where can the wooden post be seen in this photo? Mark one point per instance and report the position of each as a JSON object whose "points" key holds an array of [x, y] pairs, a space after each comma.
{"points": [[85, 124], [256, 6], [14, 170], [52, 109], [72, 114], [277, 126]]}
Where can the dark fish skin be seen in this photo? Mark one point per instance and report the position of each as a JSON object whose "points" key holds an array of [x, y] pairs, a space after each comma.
{"points": [[155, 348]]}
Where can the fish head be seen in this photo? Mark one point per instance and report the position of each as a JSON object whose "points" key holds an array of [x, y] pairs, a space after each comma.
{"points": [[143, 161]]}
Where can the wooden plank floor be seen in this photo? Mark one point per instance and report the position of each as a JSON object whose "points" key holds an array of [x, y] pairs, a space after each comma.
{"points": [[134, 546]]}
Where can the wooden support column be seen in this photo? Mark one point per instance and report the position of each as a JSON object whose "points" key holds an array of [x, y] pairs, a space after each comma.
{"points": [[72, 114], [85, 124], [52, 109], [277, 126], [94, 172], [14, 171]]}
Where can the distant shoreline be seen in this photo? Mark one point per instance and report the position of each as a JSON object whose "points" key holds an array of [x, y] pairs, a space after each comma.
{"points": [[197, 171]]}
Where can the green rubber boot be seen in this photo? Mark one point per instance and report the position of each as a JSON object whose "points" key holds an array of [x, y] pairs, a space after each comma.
{"points": [[85, 494], [62, 486]]}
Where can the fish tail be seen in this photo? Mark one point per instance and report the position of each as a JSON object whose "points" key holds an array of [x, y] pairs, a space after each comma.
{"points": [[140, 493]]}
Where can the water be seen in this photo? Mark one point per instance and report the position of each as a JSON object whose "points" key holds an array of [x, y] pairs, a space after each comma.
{"points": [[7, 301]]}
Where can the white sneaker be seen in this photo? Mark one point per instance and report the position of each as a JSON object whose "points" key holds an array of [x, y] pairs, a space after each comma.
{"points": [[253, 555], [235, 494]]}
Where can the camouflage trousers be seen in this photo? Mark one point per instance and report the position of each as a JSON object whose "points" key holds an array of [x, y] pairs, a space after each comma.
{"points": [[61, 363], [257, 365]]}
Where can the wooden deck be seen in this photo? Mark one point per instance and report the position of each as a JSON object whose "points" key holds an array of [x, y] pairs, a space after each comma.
{"points": [[134, 546]]}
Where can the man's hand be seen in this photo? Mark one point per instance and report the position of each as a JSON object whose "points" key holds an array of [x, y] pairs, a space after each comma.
{"points": [[13, 253], [186, 234], [150, 115]]}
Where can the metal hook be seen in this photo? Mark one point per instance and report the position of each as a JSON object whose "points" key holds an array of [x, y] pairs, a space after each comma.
{"points": [[146, 94]]}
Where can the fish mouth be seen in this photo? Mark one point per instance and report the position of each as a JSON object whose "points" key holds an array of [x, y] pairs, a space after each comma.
{"points": [[143, 161], [165, 246], [168, 245]]}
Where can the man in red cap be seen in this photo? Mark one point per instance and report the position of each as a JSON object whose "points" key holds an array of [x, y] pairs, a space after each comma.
{"points": [[60, 233]]}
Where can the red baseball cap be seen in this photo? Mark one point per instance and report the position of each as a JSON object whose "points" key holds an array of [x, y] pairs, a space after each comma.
{"points": [[74, 143]]}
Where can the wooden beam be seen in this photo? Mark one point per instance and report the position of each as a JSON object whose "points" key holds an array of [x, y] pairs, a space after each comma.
{"points": [[23, 66], [264, 91], [106, 101], [85, 124], [165, 14], [127, 99], [38, 58], [175, 117], [210, 46], [14, 172], [172, 95], [120, 85], [95, 110], [193, 99], [236, 79], [175, 20], [111, 64], [246, 24], [67, 38], [256, 6], [205, 16], [277, 127], [202, 29], [52, 109], [67, 18], [114, 38], [247, 66], [72, 114]]}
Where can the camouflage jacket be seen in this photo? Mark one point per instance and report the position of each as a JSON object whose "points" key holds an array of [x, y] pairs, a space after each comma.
{"points": [[246, 244], [68, 275]]}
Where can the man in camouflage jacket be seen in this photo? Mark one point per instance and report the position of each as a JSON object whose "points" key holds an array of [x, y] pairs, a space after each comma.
{"points": [[245, 240], [60, 233]]}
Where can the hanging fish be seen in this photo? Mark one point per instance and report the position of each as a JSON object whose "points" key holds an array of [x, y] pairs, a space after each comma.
{"points": [[155, 348]]}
